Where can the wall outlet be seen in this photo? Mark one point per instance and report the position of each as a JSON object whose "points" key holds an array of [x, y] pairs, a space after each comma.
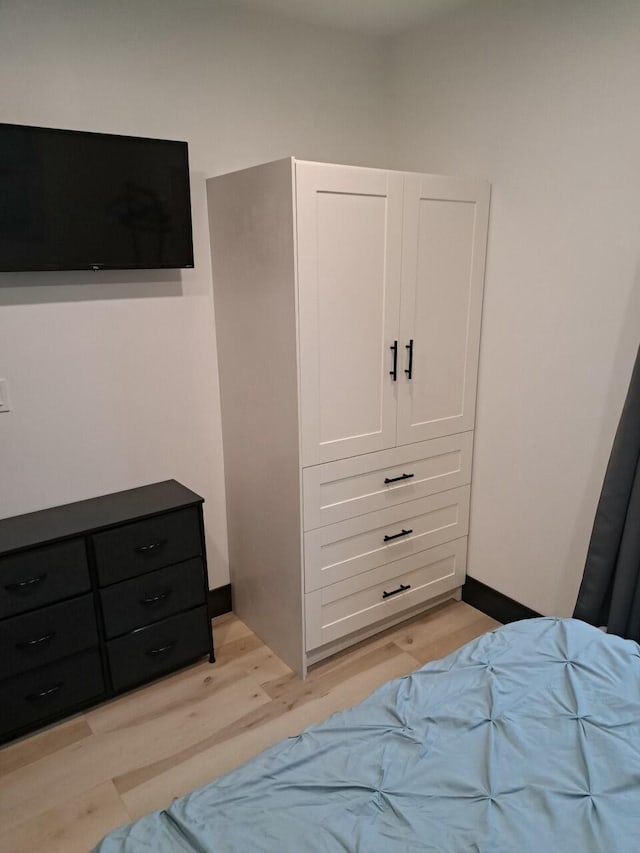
{"points": [[4, 396]]}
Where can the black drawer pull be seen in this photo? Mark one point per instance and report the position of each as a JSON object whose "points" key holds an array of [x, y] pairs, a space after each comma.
{"points": [[409, 370], [161, 650], [36, 697], [402, 588], [17, 587], [154, 599], [393, 373], [30, 644], [401, 477], [151, 547], [396, 535]]}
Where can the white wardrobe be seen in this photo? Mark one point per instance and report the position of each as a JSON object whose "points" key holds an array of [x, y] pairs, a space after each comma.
{"points": [[348, 308]]}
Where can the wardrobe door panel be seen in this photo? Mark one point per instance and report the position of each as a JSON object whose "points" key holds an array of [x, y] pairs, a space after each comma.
{"points": [[445, 232], [349, 223]]}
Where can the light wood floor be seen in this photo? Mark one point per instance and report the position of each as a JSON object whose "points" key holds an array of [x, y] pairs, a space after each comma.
{"points": [[62, 789]]}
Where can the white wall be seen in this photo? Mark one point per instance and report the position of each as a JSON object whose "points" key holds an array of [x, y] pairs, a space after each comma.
{"points": [[542, 98], [113, 376]]}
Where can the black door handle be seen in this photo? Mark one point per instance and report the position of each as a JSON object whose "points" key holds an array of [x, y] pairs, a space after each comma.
{"points": [[35, 697], [401, 477], [17, 587], [30, 644], [161, 650], [154, 599], [401, 588], [397, 535], [152, 546], [409, 370], [393, 373]]}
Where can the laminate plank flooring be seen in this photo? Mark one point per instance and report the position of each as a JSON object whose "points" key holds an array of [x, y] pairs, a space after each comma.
{"points": [[63, 788]]}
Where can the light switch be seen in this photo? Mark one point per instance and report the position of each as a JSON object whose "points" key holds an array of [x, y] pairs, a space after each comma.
{"points": [[4, 396]]}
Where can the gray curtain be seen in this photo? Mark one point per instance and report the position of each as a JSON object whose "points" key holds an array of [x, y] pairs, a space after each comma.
{"points": [[610, 590]]}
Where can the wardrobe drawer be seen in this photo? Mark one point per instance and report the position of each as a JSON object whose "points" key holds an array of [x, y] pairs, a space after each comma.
{"points": [[30, 579], [340, 609], [48, 634], [351, 547], [151, 597], [152, 651], [133, 549], [350, 487], [49, 690]]}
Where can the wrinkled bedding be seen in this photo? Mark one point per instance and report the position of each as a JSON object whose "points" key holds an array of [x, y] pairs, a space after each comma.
{"points": [[526, 739]]}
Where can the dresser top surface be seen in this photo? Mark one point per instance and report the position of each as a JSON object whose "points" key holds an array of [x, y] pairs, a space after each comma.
{"points": [[74, 519]]}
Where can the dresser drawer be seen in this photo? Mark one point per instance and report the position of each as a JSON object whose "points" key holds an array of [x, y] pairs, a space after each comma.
{"points": [[143, 546], [340, 609], [48, 634], [152, 651], [374, 481], [151, 597], [50, 690], [30, 579], [351, 547]]}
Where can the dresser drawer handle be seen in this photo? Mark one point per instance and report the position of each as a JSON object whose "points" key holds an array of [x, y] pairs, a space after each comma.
{"points": [[402, 588], [397, 535], [30, 582], [30, 644], [161, 650], [44, 694], [151, 547], [154, 599], [401, 477]]}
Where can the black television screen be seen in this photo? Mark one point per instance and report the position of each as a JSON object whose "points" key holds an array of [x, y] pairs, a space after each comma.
{"points": [[71, 200]]}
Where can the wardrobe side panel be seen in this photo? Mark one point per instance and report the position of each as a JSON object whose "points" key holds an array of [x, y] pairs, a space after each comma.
{"points": [[252, 242]]}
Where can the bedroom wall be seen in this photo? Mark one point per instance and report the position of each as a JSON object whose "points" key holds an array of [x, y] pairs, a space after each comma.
{"points": [[541, 98], [113, 376]]}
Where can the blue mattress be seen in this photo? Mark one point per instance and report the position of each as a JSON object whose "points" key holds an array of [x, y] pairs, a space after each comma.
{"points": [[527, 739]]}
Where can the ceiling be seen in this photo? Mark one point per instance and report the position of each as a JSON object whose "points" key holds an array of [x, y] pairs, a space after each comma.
{"points": [[369, 17]]}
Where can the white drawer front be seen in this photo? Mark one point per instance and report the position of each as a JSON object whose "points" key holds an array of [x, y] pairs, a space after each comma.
{"points": [[351, 605], [351, 547], [350, 487]]}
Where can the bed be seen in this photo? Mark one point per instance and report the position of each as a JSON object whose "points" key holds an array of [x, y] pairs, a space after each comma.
{"points": [[526, 739]]}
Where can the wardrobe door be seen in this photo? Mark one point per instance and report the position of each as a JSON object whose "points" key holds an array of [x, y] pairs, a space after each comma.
{"points": [[349, 242], [443, 256]]}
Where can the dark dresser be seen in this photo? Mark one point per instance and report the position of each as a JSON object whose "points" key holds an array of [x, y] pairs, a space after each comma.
{"points": [[97, 597]]}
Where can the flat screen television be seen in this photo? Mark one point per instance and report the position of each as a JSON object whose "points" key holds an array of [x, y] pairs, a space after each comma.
{"points": [[71, 200]]}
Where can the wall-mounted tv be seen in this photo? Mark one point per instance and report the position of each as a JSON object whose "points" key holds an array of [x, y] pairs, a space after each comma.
{"points": [[71, 200]]}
